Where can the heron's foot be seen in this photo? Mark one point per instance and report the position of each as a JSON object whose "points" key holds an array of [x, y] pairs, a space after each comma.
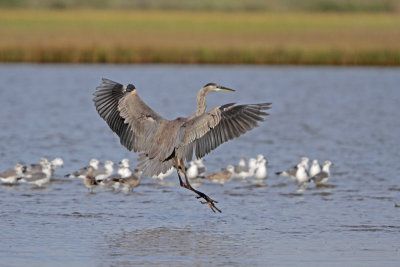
{"points": [[208, 201]]}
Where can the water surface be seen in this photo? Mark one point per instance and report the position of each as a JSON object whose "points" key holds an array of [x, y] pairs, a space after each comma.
{"points": [[346, 115]]}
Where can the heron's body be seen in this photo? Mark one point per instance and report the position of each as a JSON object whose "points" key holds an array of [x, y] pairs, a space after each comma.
{"points": [[168, 143]]}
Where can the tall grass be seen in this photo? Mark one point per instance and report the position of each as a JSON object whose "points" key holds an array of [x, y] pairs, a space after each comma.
{"points": [[212, 5], [199, 37]]}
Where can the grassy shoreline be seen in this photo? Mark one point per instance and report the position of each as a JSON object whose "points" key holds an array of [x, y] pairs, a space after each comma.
{"points": [[83, 36]]}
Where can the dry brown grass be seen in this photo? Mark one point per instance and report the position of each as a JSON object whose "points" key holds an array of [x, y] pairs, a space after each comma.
{"points": [[199, 37]]}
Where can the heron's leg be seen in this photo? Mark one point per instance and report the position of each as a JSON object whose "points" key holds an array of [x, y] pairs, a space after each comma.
{"points": [[207, 199], [177, 170]]}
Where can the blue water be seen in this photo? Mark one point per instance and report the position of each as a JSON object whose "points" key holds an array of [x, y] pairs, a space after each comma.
{"points": [[347, 115]]}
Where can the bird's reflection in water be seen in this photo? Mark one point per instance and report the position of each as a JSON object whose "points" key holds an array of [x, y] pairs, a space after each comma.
{"points": [[170, 245]]}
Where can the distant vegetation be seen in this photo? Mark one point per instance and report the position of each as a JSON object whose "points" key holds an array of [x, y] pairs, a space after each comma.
{"points": [[217, 5], [152, 36]]}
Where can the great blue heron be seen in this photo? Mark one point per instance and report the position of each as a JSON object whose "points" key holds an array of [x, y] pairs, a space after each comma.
{"points": [[166, 143]]}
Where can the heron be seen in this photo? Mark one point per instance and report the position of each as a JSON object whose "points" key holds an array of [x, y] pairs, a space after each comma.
{"points": [[164, 143]]}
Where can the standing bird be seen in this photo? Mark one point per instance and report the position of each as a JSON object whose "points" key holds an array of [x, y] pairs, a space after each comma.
{"points": [[11, 176], [242, 162], [315, 168], [39, 178], [291, 172], [222, 176], [55, 163], [242, 171], [90, 180], [113, 180], [261, 170], [301, 174], [128, 183], [35, 168], [323, 176], [201, 168], [82, 172], [104, 173], [192, 171], [163, 175], [168, 143]]}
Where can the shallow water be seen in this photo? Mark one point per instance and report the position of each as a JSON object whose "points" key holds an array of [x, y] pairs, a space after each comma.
{"points": [[346, 115]]}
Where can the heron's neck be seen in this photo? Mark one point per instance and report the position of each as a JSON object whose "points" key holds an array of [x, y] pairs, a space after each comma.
{"points": [[201, 102]]}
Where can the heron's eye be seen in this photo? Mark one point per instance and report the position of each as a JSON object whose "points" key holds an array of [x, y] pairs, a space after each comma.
{"points": [[130, 88]]}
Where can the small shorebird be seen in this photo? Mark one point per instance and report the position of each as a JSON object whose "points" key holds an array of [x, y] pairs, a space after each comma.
{"points": [[291, 172], [39, 178], [192, 171], [222, 176], [128, 183], [113, 179], [260, 157], [315, 168], [242, 162], [301, 174], [261, 170], [34, 168], [11, 176], [89, 180], [81, 173], [244, 172], [163, 175], [201, 168], [104, 173], [55, 163], [323, 176]]}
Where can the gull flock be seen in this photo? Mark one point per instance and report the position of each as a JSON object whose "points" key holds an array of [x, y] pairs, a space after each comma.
{"points": [[121, 177]]}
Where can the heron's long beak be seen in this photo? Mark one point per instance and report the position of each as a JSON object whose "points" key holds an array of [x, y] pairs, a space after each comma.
{"points": [[222, 88]]}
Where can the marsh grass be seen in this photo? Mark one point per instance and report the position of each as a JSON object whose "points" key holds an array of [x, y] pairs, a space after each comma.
{"points": [[372, 6], [199, 37]]}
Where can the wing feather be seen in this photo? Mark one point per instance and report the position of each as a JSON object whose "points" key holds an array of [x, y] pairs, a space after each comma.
{"points": [[126, 114], [221, 124]]}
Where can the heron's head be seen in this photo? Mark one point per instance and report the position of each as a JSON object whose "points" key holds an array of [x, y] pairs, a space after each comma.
{"points": [[130, 88], [213, 87]]}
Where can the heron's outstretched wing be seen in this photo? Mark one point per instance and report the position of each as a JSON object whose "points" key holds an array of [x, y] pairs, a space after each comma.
{"points": [[209, 130], [126, 114]]}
